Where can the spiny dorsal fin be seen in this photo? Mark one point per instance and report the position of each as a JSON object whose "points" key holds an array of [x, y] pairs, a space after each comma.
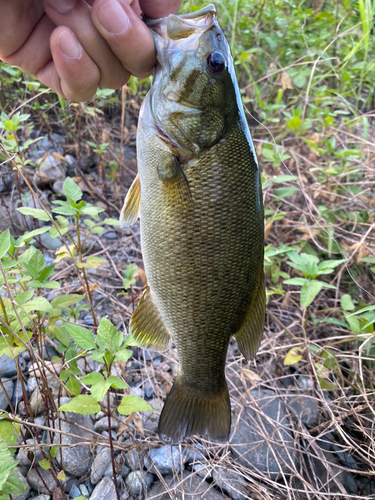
{"points": [[130, 210], [147, 327], [249, 334]]}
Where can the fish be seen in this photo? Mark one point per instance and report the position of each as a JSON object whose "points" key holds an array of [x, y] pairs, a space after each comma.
{"points": [[198, 195]]}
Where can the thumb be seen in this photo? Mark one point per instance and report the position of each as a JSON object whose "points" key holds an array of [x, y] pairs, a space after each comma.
{"points": [[159, 8]]}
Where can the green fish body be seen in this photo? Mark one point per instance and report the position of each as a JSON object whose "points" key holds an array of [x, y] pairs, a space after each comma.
{"points": [[198, 194]]}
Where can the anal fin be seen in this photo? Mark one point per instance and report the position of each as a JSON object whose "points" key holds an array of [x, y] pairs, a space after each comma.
{"points": [[249, 334], [130, 210], [147, 327]]}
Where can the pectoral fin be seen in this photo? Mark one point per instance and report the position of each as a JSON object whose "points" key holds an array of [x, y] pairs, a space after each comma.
{"points": [[130, 210], [147, 327], [249, 334]]}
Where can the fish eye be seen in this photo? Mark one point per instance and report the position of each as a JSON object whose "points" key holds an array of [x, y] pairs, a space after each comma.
{"points": [[216, 62]]}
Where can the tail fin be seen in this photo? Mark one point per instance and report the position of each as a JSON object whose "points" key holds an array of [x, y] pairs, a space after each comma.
{"points": [[185, 415]]}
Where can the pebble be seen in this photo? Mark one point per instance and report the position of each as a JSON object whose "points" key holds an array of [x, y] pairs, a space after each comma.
{"points": [[23, 480], [232, 483], [192, 488], [42, 497], [150, 419], [148, 390], [125, 471], [167, 459], [49, 242], [105, 490], [111, 235], [74, 492], [34, 480], [124, 494], [32, 384], [51, 170], [305, 409], [248, 443], [134, 459], [75, 460], [7, 367], [88, 320], [84, 490], [22, 457], [100, 465], [8, 386], [102, 424], [138, 481]]}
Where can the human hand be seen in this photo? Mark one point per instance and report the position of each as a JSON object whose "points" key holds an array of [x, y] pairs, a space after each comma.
{"points": [[73, 46]]}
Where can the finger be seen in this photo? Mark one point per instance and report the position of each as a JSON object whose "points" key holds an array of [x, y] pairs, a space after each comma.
{"points": [[18, 20], [126, 34], [76, 15], [78, 73], [159, 8], [35, 52]]}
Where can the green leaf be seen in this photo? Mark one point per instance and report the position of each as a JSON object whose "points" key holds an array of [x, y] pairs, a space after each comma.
{"points": [[4, 243], [9, 432], [285, 191], [130, 404], [130, 271], [108, 337], [74, 386], [116, 382], [7, 464], [45, 464], [71, 190], [347, 303], [66, 300], [92, 263], [31, 234], [309, 291], [296, 121], [65, 210], [296, 281], [52, 285], [24, 297], [38, 304], [93, 378], [354, 324], [99, 390], [111, 222], [53, 451], [83, 404], [35, 212], [81, 336], [123, 355]]}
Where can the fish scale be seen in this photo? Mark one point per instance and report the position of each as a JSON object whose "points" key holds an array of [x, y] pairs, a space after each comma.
{"points": [[198, 194]]}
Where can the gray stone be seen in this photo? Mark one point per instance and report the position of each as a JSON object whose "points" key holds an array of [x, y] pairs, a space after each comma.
{"points": [[111, 235], [22, 458], [49, 242], [124, 495], [7, 367], [37, 399], [194, 453], [192, 488], [17, 396], [125, 471], [263, 443], [138, 481], [102, 424], [304, 408], [74, 492], [42, 497], [34, 480], [105, 490], [167, 459], [84, 490], [150, 419], [134, 459], [231, 482], [24, 495], [100, 465], [32, 384], [8, 386], [75, 460], [57, 186], [51, 170]]}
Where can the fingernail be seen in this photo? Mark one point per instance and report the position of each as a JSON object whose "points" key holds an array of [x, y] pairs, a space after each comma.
{"points": [[62, 6], [113, 18], [69, 45]]}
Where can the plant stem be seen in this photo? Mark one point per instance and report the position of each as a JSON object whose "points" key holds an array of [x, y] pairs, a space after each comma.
{"points": [[111, 444]]}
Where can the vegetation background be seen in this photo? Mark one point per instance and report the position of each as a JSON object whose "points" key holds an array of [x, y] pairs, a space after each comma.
{"points": [[306, 71]]}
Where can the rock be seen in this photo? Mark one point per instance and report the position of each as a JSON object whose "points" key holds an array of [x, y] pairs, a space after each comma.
{"points": [[9, 387], [167, 459], [100, 465], [17, 396], [102, 424], [150, 419], [305, 383], [138, 481], [125, 471], [7, 367], [25, 222], [37, 400], [148, 390], [74, 492], [5, 222], [84, 490], [104, 490], [49, 242], [57, 186], [22, 457], [24, 495], [194, 488], [124, 494], [134, 459], [34, 480], [304, 408], [50, 170], [32, 384], [111, 235], [75, 460], [259, 443], [194, 453], [231, 482], [42, 497]]}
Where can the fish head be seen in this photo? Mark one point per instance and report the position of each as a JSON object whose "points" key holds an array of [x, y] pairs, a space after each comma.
{"points": [[192, 92]]}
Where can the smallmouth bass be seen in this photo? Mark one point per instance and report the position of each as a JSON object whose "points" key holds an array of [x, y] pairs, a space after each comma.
{"points": [[198, 195]]}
